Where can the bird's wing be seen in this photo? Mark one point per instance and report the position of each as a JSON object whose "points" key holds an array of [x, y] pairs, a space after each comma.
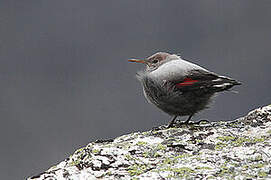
{"points": [[204, 81]]}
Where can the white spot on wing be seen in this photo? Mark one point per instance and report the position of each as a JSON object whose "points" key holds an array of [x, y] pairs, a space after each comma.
{"points": [[224, 77], [222, 85], [216, 80]]}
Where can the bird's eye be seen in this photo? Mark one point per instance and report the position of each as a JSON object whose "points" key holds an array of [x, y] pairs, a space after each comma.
{"points": [[154, 61]]}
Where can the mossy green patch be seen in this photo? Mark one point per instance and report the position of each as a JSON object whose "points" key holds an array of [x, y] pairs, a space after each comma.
{"points": [[245, 167], [146, 154], [174, 159], [141, 143], [178, 172], [258, 165], [203, 167], [224, 170], [95, 151], [258, 158], [108, 173], [240, 141], [79, 150], [237, 141], [258, 139], [168, 160], [161, 147], [74, 162], [226, 138], [129, 157], [220, 145], [262, 174], [156, 155], [152, 154], [184, 155], [53, 167], [137, 169]]}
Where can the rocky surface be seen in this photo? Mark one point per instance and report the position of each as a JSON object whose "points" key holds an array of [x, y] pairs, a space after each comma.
{"points": [[239, 149]]}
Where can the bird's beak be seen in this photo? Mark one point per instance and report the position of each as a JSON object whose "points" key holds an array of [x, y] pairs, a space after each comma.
{"points": [[138, 61]]}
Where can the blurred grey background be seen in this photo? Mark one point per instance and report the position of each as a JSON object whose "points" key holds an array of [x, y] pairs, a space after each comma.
{"points": [[65, 79]]}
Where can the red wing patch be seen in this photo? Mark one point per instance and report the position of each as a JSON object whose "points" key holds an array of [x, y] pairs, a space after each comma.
{"points": [[186, 82]]}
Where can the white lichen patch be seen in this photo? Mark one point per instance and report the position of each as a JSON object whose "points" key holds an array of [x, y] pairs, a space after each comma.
{"points": [[240, 149], [148, 140]]}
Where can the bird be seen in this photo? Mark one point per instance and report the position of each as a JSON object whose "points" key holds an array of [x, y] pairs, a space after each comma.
{"points": [[179, 87]]}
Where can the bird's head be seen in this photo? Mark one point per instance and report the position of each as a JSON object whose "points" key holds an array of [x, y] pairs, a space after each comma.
{"points": [[155, 60]]}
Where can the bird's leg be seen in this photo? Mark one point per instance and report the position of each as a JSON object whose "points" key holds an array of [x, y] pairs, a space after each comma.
{"points": [[185, 122], [202, 120], [172, 122], [188, 119]]}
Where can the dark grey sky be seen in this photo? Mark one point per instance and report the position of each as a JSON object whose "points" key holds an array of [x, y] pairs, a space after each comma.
{"points": [[65, 79]]}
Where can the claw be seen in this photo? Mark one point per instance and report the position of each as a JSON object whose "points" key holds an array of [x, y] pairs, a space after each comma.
{"points": [[187, 123], [202, 120]]}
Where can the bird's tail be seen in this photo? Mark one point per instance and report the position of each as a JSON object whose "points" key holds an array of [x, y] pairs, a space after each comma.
{"points": [[223, 83]]}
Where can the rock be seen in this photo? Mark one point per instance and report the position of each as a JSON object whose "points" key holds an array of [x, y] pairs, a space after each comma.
{"points": [[239, 149]]}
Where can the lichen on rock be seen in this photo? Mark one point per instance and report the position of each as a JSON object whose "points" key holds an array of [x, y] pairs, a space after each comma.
{"points": [[239, 149]]}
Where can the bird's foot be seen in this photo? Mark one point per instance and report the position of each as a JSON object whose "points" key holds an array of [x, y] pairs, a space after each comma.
{"points": [[177, 124], [200, 121], [181, 123], [170, 125]]}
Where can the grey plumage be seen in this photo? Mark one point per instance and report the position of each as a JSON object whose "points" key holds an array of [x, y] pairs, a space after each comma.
{"points": [[178, 87]]}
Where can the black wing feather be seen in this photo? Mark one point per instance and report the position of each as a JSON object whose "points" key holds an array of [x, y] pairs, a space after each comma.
{"points": [[207, 82]]}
